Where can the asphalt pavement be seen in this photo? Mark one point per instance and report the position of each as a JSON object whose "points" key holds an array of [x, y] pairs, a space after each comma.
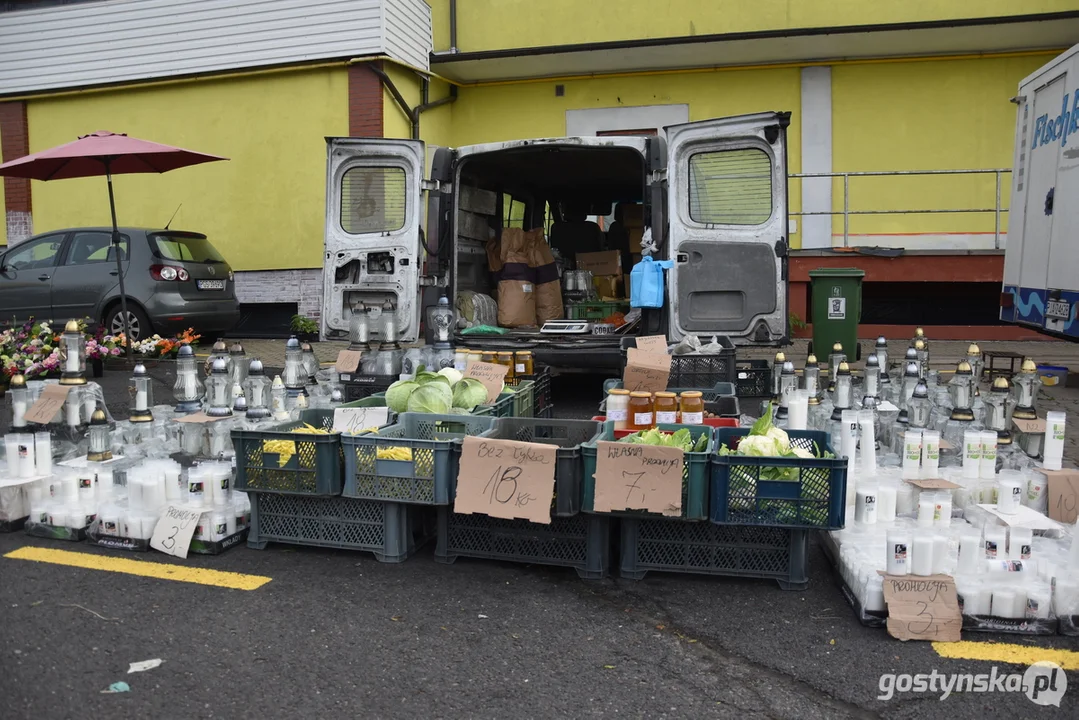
{"points": [[338, 632]]}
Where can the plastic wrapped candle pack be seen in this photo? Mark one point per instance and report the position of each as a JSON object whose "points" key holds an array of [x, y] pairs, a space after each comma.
{"points": [[886, 501], [930, 454], [11, 449], [1037, 491], [43, 453], [922, 555], [848, 444], [942, 509], [868, 444], [971, 552], [972, 453], [865, 505], [987, 466], [904, 499], [996, 538], [1009, 492], [898, 552], [1053, 452]]}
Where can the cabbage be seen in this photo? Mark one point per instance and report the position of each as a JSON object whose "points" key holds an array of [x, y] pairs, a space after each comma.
{"points": [[434, 397], [423, 377], [453, 374], [397, 395], [468, 393]]}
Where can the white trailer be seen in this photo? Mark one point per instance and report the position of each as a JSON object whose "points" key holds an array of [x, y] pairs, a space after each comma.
{"points": [[1041, 263]]}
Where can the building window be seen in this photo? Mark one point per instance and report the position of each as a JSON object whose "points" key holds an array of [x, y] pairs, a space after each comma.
{"points": [[730, 187], [373, 200]]}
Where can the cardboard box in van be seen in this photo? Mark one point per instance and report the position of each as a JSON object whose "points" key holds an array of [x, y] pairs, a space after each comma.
{"points": [[608, 262], [471, 225], [479, 201], [633, 216]]}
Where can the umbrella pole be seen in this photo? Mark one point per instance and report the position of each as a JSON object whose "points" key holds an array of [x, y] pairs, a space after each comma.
{"points": [[119, 263]]}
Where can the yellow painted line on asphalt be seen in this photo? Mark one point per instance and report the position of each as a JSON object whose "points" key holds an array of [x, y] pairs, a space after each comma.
{"points": [[1005, 653], [161, 571]]}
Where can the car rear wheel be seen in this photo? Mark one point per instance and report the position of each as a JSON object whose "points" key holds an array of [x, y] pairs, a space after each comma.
{"points": [[137, 322]]}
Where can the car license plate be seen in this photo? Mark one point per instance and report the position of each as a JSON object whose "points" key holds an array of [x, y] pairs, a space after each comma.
{"points": [[211, 284], [1058, 309]]}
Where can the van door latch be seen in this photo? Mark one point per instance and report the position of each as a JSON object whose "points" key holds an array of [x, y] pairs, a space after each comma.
{"points": [[436, 186], [658, 177], [681, 257]]}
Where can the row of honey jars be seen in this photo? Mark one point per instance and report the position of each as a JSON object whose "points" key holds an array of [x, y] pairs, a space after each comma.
{"points": [[643, 410]]}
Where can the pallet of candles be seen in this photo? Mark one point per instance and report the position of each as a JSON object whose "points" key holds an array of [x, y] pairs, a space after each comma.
{"points": [[28, 462]]}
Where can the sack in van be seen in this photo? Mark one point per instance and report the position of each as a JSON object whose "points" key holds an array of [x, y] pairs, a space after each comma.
{"points": [[514, 245], [516, 303], [548, 286]]}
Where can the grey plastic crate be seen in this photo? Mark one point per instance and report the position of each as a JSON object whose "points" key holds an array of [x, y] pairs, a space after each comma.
{"points": [[314, 468], [425, 479], [581, 542], [392, 531], [568, 436], [778, 554]]}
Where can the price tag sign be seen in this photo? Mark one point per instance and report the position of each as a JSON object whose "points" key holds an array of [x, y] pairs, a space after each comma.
{"points": [[348, 361], [646, 371], [506, 479], [354, 420], [1030, 426], [174, 530], [1063, 487], [922, 608], [934, 484], [492, 375], [48, 404], [652, 344], [638, 477]]}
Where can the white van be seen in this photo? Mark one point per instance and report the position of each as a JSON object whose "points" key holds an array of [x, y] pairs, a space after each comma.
{"points": [[713, 195], [1041, 262]]}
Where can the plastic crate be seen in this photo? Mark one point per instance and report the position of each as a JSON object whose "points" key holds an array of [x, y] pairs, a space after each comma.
{"points": [[720, 395], [596, 310], [696, 371], [427, 478], [392, 531], [357, 387], [315, 468], [542, 390], [753, 378], [503, 406], [694, 473], [568, 435], [816, 499], [582, 542], [667, 545]]}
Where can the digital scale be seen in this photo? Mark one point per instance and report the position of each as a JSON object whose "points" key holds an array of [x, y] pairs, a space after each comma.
{"points": [[567, 327]]}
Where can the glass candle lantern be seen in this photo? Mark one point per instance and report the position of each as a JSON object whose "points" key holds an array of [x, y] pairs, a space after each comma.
{"points": [[193, 437], [74, 355], [99, 438], [73, 408], [996, 410], [910, 381], [142, 397], [294, 375], [919, 334], [257, 391], [912, 358], [389, 326], [218, 395], [188, 387], [872, 382], [842, 390], [1027, 383], [974, 358], [310, 363], [20, 401], [441, 320], [336, 398], [962, 390], [237, 364], [788, 383], [919, 407], [835, 359], [359, 329], [811, 374], [921, 350], [881, 351], [777, 370], [239, 402], [278, 398], [219, 351]]}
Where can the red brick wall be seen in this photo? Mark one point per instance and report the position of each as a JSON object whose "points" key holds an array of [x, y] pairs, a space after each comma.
{"points": [[14, 143], [364, 102]]}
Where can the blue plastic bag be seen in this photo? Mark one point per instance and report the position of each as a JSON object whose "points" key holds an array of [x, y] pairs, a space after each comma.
{"points": [[646, 283]]}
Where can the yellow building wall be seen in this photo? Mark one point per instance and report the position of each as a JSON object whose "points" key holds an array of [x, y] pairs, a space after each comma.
{"points": [[434, 123], [500, 24], [936, 115], [263, 209]]}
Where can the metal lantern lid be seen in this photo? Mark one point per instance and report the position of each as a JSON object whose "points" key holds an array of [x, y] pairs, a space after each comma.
{"points": [[292, 344], [780, 358], [837, 348], [185, 351], [255, 368], [919, 344], [237, 349], [973, 349], [219, 367], [72, 326], [18, 381], [336, 396], [239, 404], [811, 360], [872, 361], [1029, 366], [220, 346], [788, 368], [98, 418], [1001, 385], [912, 354], [882, 342], [306, 347], [139, 370], [921, 390], [911, 370], [919, 333], [844, 368], [963, 368]]}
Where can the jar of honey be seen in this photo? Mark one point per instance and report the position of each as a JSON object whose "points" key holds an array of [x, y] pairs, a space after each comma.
{"points": [[618, 408], [523, 363], [506, 358], [475, 356], [641, 415], [692, 407], [489, 356], [666, 408]]}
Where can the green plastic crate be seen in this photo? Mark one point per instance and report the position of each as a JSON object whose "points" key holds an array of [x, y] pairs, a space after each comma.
{"points": [[524, 399], [597, 310], [314, 468], [695, 475]]}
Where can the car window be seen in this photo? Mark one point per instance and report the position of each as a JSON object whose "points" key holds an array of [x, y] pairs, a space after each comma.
{"points": [[730, 187], [94, 247], [184, 248], [40, 253]]}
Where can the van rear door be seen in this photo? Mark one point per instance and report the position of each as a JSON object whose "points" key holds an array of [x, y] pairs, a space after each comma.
{"points": [[372, 236], [727, 201]]}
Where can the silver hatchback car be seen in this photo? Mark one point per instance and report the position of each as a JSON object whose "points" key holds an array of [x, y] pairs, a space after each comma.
{"points": [[174, 280]]}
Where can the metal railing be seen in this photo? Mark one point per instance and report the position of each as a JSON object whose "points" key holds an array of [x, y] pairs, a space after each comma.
{"points": [[846, 212]]}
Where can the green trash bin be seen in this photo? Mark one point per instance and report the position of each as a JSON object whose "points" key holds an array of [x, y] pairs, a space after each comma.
{"points": [[837, 309]]}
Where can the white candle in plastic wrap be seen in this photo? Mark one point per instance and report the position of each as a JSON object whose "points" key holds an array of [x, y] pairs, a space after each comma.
{"points": [[230, 523], [196, 488], [898, 552], [1009, 496], [941, 555], [134, 494], [978, 601], [110, 522], [130, 525], [987, 467], [942, 510], [43, 453], [964, 594], [1066, 596], [239, 511], [886, 503], [153, 493], [930, 454], [972, 453], [865, 505], [971, 553], [1039, 599], [995, 539], [1053, 450], [202, 529], [848, 440], [27, 464], [220, 526], [1008, 566], [18, 413], [147, 524], [904, 499], [1037, 491], [87, 492], [72, 413], [39, 513], [868, 443], [80, 517], [221, 480], [58, 517], [172, 486], [912, 454], [798, 410], [874, 595], [11, 448], [921, 561], [1073, 556], [926, 508], [1003, 603]]}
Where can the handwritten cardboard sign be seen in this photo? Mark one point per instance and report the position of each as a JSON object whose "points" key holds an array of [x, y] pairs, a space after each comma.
{"points": [[48, 404], [1030, 426], [1063, 487], [638, 477], [506, 479], [922, 608], [646, 371], [492, 375], [174, 530], [933, 484], [348, 361], [198, 417], [354, 420], [1023, 517], [652, 343]]}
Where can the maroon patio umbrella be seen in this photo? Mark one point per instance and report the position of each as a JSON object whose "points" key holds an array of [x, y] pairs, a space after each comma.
{"points": [[105, 153]]}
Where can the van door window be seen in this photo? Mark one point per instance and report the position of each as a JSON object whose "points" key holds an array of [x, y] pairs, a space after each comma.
{"points": [[373, 200], [730, 187]]}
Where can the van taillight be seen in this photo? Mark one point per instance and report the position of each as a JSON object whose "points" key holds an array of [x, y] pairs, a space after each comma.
{"points": [[1007, 300], [168, 272]]}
